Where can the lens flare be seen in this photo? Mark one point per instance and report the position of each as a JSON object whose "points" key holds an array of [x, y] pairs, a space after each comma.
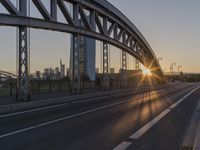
{"points": [[146, 71]]}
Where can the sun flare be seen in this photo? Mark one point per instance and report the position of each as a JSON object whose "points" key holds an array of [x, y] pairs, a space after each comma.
{"points": [[146, 71]]}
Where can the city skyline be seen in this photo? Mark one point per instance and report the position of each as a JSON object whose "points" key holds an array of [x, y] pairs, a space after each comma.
{"points": [[171, 41]]}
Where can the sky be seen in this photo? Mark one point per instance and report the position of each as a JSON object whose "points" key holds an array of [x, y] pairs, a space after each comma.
{"points": [[171, 27]]}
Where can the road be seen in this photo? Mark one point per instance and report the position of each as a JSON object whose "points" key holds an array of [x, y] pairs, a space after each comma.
{"points": [[151, 121]]}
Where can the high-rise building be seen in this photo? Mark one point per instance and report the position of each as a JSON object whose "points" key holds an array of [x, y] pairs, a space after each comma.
{"points": [[62, 70], [87, 55]]}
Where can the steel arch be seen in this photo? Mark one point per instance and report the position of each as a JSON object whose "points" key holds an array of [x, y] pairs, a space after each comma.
{"points": [[113, 27], [8, 74]]}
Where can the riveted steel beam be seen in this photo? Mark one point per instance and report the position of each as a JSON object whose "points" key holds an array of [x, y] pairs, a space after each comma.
{"points": [[76, 79], [124, 70], [65, 12], [40, 6], [23, 58], [105, 66], [23, 69], [9, 7]]}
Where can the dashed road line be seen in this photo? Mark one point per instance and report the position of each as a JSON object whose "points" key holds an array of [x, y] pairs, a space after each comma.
{"points": [[124, 145]]}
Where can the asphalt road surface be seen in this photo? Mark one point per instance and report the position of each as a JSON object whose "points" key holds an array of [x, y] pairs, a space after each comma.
{"points": [[155, 120]]}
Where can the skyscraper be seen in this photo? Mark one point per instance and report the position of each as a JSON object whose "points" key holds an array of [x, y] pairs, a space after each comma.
{"points": [[62, 70], [87, 56]]}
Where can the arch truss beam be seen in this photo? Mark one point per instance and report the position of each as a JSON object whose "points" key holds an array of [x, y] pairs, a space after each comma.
{"points": [[23, 72], [100, 20]]}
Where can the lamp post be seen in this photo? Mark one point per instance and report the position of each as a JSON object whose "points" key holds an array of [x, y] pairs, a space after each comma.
{"points": [[179, 67], [160, 58], [172, 68]]}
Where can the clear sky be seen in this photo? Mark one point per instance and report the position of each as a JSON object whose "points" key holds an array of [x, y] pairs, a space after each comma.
{"points": [[172, 28]]}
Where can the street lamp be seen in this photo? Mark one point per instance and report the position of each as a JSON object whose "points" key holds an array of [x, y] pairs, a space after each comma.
{"points": [[160, 58], [172, 68], [179, 67]]}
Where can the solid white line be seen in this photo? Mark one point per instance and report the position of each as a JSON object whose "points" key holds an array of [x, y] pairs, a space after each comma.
{"points": [[182, 99], [64, 118], [60, 119], [91, 99], [146, 127], [47, 107], [124, 145], [54, 106], [33, 110]]}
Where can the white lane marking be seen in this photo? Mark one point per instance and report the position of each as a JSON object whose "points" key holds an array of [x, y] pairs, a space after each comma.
{"points": [[64, 118], [47, 107], [182, 99], [33, 110], [124, 145], [55, 106], [90, 99], [146, 127]]}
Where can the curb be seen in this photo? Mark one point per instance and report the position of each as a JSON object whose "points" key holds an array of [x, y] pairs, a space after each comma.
{"points": [[193, 132], [197, 139]]}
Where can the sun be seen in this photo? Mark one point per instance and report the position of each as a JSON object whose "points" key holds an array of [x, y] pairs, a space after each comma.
{"points": [[146, 71]]}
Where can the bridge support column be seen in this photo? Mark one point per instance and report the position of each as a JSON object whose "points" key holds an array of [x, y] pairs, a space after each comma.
{"points": [[76, 80], [23, 65], [105, 83], [137, 64], [124, 70]]}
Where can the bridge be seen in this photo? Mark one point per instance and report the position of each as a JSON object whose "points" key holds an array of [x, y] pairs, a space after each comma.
{"points": [[5, 74], [112, 28], [152, 116]]}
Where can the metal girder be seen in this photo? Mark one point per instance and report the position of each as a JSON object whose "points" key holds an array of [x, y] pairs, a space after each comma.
{"points": [[23, 69], [105, 66], [124, 70], [53, 10], [9, 7], [137, 64], [124, 60], [84, 18], [23, 58], [99, 24], [76, 65], [8, 74], [40, 6], [110, 30], [65, 12]]}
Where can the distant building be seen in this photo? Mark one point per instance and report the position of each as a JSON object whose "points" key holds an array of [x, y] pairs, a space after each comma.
{"points": [[57, 71], [112, 70], [37, 75], [67, 72], [62, 70], [87, 55], [48, 73], [97, 70]]}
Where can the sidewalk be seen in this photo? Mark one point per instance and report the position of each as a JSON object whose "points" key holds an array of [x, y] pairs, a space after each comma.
{"points": [[192, 137], [197, 138]]}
